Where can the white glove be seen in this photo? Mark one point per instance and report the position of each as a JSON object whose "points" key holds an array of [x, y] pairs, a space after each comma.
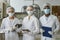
{"points": [[24, 32], [14, 27], [41, 30], [50, 32]]}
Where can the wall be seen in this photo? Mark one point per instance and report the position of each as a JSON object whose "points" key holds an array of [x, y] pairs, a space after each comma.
{"points": [[27, 2]]}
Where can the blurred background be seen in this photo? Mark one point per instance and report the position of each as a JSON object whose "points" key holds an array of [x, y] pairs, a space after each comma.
{"points": [[20, 10]]}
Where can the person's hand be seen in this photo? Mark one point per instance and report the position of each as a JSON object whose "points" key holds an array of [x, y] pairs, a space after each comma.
{"points": [[25, 31], [55, 32], [41, 30], [50, 32], [14, 28]]}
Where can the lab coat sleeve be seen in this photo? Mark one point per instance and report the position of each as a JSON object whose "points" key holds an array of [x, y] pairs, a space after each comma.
{"points": [[40, 25], [56, 24], [36, 23], [3, 25]]}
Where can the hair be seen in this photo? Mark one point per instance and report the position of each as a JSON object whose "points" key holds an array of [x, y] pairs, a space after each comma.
{"points": [[9, 8]]}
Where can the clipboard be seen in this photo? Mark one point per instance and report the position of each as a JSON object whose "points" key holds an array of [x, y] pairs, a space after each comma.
{"points": [[46, 29]]}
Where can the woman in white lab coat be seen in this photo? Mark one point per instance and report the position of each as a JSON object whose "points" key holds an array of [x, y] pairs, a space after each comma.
{"points": [[30, 25], [48, 21], [8, 25]]}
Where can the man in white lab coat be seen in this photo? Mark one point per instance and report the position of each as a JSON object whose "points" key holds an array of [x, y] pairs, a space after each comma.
{"points": [[49, 24], [30, 25], [8, 25]]}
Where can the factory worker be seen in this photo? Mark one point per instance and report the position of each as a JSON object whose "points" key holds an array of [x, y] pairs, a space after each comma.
{"points": [[49, 24], [8, 25], [30, 25]]}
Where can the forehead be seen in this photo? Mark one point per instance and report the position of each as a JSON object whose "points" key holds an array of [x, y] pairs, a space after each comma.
{"points": [[29, 7], [10, 9]]}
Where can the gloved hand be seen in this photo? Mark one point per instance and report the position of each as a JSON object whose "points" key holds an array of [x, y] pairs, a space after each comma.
{"points": [[41, 31], [25, 31], [50, 32], [14, 28]]}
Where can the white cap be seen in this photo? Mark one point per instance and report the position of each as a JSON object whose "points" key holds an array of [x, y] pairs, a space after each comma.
{"points": [[47, 4]]}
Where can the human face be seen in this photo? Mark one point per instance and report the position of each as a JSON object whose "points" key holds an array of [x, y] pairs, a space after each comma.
{"points": [[10, 12], [29, 10], [47, 10]]}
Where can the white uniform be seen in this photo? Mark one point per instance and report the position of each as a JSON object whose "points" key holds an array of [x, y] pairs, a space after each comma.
{"points": [[31, 24], [6, 25], [50, 22]]}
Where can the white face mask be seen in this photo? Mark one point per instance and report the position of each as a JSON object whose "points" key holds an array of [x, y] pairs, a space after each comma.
{"points": [[30, 12], [10, 14], [46, 11]]}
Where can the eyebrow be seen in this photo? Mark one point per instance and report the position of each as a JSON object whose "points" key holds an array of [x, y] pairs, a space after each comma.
{"points": [[47, 7]]}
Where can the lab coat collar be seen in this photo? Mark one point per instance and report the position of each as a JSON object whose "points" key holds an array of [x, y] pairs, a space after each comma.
{"points": [[13, 22], [30, 17], [13, 19], [48, 16], [9, 19]]}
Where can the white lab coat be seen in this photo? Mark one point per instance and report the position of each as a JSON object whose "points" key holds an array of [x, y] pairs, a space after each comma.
{"points": [[52, 22], [6, 25], [31, 24]]}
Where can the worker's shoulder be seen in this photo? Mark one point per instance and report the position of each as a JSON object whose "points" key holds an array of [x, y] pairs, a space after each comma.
{"points": [[42, 17], [4, 18], [53, 16], [35, 17]]}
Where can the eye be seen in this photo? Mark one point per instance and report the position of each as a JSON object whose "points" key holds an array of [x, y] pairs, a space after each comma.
{"points": [[11, 11]]}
